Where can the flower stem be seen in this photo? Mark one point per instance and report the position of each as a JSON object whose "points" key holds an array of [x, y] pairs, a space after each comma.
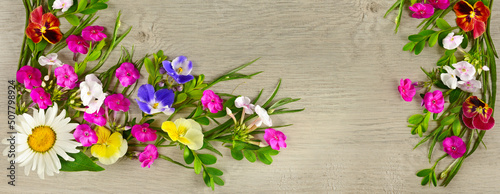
{"points": [[173, 161]]}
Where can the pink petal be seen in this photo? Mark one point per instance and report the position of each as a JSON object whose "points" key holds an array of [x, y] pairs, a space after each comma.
{"points": [[478, 124]]}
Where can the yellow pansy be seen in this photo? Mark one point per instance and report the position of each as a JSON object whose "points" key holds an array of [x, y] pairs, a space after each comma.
{"points": [[109, 147], [186, 131]]}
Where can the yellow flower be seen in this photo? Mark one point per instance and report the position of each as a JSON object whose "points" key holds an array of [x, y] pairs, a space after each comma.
{"points": [[186, 131], [109, 147]]}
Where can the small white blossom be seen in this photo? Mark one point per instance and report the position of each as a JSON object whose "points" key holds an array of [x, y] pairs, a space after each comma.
{"points": [[449, 79], [245, 103], [451, 42], [464, 70], [64, 5], [50, 59]]}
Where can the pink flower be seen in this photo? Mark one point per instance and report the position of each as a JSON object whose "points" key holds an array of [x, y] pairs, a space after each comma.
{"points": [[211, 101], [40, 97], [85, 135], [406, 89], [454, 146], [440, 4], [143, 133], [276, 139], [422, 10], [77, 44], [127, 74], [148, 156], [93, 33], [29, 76], [434, 102], [117, 102], [66, 76], [96, 118]]}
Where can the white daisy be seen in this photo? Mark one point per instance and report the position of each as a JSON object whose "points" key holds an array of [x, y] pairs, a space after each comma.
{"points": [[41, 138]]}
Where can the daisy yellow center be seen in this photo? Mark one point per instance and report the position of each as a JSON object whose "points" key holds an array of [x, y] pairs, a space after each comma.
{"points": [[42, 139], [155, 105]]}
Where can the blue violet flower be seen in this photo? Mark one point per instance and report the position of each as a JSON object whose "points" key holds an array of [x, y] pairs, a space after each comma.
{"points": [[179, 69], [152, 102]]}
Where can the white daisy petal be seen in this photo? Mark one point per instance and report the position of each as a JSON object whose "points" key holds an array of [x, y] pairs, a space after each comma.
{"points": [[27, 168]]}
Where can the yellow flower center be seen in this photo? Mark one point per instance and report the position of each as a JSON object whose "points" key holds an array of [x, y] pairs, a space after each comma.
{"points": [[179, 70], [41, 139], [43, 29], [156, 105], [472, 14]]}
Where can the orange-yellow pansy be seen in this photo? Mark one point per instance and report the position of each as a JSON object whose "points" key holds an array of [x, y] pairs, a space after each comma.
{"points": [[44, 26], [472, 18]]}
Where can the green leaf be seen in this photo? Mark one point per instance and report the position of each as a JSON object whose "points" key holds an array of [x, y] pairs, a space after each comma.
{"points": [[425, 180], [206, 178], [425, 123], [424, 172], [442, 24], [448, 120], [434, 179], [81, 5], [218, 181], [195, 94], [150, 68], [189, 86], [202, 121], [454, 95], [272, 95], [416, 119], [433, 39], [419, 47], [465, 41], [31, 44], [99, 6], [41, 45], [456, 109], [443, 35], [409, 46], [457, 127], [440, 84], [236, 154], [94, 55], [88, 11], [207, 159], [427, 32], [443, 135], [214, 171], [249, 155], [81, 163], [179, 98], [188, 156], [100, 45], [197, 166], [198, 111], [416, 38], [264, 158], [73, 7]]}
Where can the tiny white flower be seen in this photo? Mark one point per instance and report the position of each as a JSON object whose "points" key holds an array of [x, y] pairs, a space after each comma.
{"points": [[245, 103], [50, 59], [451, 42], [470, 85], [464, 70], [264, 117], [64, 5], [486, 68], [449, 79]]}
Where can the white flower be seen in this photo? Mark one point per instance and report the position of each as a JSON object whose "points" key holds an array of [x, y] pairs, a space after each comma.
{"points": [[43, 136], [62, 4], [449, 79], [452, 42], [464, 70], [91, 93], [470, 85], [50, 59], [245, 103], [486, 68], [263, 116]]}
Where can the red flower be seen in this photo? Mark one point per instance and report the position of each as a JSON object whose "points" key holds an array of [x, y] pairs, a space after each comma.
{"points": [[44, 26], [472, 18], [476, 114]]}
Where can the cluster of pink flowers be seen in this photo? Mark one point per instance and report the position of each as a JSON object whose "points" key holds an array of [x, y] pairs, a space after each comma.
{"points": [[423, 10], [80, 44]]}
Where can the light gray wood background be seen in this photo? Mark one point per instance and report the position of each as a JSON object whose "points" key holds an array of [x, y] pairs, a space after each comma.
{"points": [[341, 57]]}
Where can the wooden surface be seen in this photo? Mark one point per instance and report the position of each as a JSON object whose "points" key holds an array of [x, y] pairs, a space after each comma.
{"points": [[341, 57]]}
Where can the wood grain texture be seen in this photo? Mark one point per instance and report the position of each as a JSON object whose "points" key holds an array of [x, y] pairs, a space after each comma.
{"points": [[341, 57]]}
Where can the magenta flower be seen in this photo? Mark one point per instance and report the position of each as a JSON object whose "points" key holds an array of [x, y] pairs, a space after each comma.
{"points": [[77, 44], [143, 133], [422, 10], [454, 146], [117, 102], [97, 117], [93, 33], [276, 139], [440, 4], [406, 89], [127, 74], [211, 101], [29, 76], [40, 97], [66, 76], [85, 135], [476, 114], [148, 156], [434, 102]]}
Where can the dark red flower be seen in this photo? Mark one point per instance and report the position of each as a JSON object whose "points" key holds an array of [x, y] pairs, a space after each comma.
{"points": [[44, 26]]}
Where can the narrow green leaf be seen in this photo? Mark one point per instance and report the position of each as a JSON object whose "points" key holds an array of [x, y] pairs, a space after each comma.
{"points": [[214, 171], [99, 6], [427, 32], [88, 11], [264, 158], [273, 95], [218, 181], [202, 121], [442, 24], [236, 154], [81, 163], [433, 39], [94, 55], [434, 179], [465, 41], [456, 109], [448, 120], [409, 46], [207, 159], [425, 180], [249, 155], [149, 66], [419, 47], [81, 5], [454, 95], [424, 172], [416, 38], [197, 166], [457, 127]]}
